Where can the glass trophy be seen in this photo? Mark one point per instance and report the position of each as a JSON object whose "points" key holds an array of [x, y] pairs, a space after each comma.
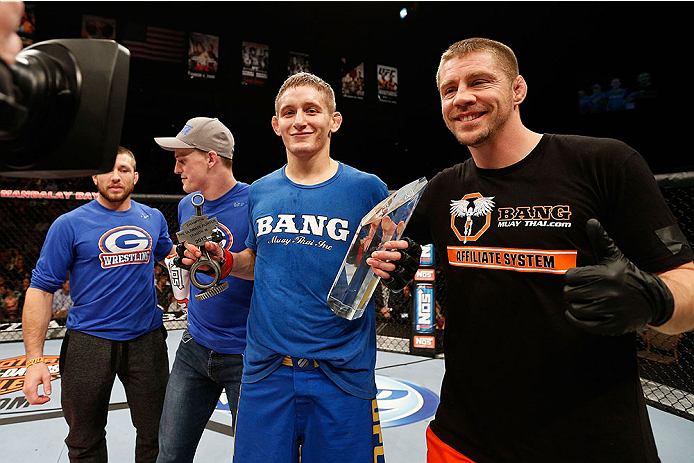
{"points": [[196, 231], [355, 282]]}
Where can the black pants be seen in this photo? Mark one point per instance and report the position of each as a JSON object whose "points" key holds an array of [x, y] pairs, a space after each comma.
{"points": [[88, 367]]}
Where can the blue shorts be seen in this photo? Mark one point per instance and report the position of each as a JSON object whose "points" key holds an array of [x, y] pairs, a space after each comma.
{"points": [[297, 410]]}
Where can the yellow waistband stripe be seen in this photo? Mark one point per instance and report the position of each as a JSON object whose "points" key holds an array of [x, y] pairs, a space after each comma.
{"points": [[288, 362]]}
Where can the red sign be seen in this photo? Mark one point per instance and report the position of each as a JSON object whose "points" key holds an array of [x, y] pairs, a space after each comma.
{"points": [[425, 342]]}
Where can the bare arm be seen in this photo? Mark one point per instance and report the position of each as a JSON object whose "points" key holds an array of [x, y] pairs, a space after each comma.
{"points": [[35, 318], [680, 281], [10, 43], [171, 253], [244, 264]]}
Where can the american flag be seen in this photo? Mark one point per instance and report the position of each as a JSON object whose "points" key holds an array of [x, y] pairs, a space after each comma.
{"points": [[155, 43]]}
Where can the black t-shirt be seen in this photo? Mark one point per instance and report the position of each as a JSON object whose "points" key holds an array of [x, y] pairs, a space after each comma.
{"points": [[521, 383]]}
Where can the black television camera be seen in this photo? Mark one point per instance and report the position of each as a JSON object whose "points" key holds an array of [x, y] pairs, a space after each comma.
{"points": [[62, 106]]}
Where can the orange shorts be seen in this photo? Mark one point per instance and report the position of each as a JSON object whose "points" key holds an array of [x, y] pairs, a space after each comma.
{"points": [[440, 452]]}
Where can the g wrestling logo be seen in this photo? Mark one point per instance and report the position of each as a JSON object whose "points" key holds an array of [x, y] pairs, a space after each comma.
{"points": [[124, 246], [471, 205], [13, 370]]}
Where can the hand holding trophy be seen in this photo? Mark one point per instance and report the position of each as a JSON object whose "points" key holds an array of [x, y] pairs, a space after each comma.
{"points": [[355, 282], [196, 231]]}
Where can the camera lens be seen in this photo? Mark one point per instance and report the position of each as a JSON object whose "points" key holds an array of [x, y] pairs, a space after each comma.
{"points": [[45, 82]]}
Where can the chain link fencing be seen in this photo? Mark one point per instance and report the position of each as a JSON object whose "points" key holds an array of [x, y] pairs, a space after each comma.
{"points": [[666, 362], [25, 216]]}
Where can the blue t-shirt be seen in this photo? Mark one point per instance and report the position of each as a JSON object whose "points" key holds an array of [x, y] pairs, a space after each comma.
{"points": [[219, 322], [110, 256], [301, 235]]}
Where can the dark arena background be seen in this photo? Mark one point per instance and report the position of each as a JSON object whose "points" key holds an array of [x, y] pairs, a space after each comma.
{"points": [[607, 69]]}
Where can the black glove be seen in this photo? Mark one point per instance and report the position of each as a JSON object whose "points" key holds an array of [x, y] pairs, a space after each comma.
{"points": [[614, 297], [216, 237], [405, 267], [180, 249]]}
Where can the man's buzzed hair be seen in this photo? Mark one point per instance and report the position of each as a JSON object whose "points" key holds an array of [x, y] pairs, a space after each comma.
{"points": [[127, 152], [503, 55], [307, 79]]}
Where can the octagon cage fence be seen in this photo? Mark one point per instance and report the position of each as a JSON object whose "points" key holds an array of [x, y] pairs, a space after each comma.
{"points": [[26, 212]]}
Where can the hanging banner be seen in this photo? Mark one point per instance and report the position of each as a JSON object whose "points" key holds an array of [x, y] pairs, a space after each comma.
{"points": [[353, 81], [203, 50], [297, 62], [154, 43], [387, 79], [254, 66], [44, 194], [96, 27]]}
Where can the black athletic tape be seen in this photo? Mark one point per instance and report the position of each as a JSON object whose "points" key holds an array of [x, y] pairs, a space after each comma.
{"points": [[180, 250], [673, 238], [405, 267]]}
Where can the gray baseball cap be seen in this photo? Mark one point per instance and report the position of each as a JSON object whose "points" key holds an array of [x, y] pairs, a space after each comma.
{"points": [[203, 133]]}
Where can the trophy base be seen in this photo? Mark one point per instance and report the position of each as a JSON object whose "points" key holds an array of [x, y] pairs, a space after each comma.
{"points": [[343, 310], [213, 291], [359, 303]]}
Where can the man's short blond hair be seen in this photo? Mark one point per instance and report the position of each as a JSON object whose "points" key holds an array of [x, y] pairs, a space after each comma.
{"points": [[310, 80], [503, 55]]}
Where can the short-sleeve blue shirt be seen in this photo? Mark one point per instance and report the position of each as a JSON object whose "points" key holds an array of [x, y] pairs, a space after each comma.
{"points": [[110, 256], [301, 235]]}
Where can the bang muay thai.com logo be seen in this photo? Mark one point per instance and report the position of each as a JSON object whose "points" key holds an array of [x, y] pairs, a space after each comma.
{"points": [[13, 370], [124, 246]]}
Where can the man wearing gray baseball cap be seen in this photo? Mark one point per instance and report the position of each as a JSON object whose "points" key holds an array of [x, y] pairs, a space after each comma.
{"points": [[204, 134], [209, 357]]}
